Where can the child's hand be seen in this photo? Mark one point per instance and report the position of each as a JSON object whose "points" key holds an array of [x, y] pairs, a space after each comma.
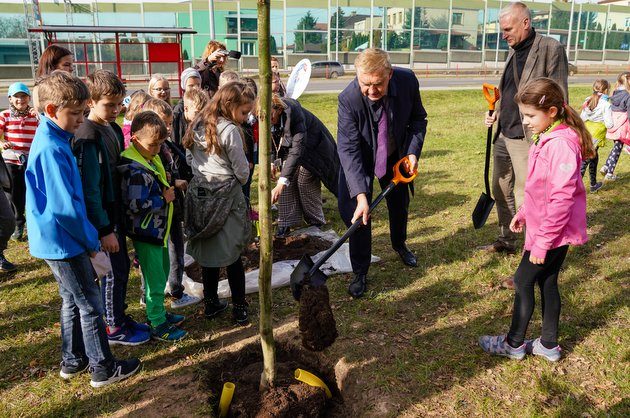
{"points": [[169, 194], [181, 184], [516, 226], [536, 260], [7, 145], [109, 243]]}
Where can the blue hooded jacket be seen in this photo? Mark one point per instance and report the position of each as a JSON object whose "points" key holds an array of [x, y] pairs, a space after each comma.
{"points": [[58, 226]]}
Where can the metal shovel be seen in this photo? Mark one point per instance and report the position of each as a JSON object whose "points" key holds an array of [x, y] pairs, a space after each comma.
{"points": [[307, 271], [486, 202]]}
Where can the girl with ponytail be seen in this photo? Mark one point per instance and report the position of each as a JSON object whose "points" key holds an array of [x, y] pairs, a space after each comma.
{"points": [[554, 210]]}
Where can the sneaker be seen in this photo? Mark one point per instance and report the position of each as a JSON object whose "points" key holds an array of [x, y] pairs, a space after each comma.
{"points": [[185, 300], [136, 326], [168, 332], [595, 187], [213, 308], [175, 319], [68, 372], [536, 348], [604, 169], [127, 336], [18, 234], [498, 345], [5, 265], [239, 312], [610, 177], [121, 370]]}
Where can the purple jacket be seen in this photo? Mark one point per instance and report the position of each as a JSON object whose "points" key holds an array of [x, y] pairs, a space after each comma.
{"points": [[554, 209]]}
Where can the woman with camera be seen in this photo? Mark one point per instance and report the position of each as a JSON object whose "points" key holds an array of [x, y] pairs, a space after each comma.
{"points": [[212, 63], [305, 154]]}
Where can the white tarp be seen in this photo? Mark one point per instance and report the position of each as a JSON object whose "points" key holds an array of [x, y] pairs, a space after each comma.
{"points": [[339, 262]]}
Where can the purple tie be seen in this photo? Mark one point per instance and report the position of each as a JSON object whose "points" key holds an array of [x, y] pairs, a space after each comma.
{"points": [[381, 148]]}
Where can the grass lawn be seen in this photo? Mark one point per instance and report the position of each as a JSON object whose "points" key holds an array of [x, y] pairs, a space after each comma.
{"points": [[409, 347]]}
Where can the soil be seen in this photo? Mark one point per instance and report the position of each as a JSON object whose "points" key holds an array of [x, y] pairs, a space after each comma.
{"points": [[289, 248], [288, 398], [318, 328]]}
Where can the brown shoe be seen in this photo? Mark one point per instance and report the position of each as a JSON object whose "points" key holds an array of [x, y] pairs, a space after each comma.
{"points": [[498, 247], [508, 283]]}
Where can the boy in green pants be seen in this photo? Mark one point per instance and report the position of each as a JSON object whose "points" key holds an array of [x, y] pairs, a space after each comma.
{"points": [[147, 197]]}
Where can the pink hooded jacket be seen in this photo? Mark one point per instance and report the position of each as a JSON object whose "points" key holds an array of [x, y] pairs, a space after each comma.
{"points": [[554, 208]]}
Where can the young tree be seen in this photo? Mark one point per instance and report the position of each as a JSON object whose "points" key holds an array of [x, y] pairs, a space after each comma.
{"points": [[264, 197]]}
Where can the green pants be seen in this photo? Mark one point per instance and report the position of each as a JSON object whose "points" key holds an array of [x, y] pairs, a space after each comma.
{"points": [[155, 267]]}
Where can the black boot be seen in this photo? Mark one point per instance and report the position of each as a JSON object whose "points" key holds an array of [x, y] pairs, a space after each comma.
{"points": [[239, 311], [213, 307], [6, 265], [358, 286]]}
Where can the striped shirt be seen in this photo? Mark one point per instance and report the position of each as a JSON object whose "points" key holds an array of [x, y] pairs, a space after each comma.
{"points": [[20, 132]]}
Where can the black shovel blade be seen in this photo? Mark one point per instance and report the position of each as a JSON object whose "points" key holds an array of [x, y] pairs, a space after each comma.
{"points": [[482, 210], [300, 275]]}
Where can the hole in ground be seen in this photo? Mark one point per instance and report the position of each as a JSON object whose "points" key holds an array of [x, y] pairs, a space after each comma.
{"points": [[289, 397]]}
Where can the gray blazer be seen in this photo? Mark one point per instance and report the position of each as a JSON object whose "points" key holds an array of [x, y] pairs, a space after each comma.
{"points": [[547, 58]]}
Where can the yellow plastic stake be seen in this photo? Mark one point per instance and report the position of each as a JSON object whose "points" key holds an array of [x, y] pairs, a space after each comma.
{"points": [[226, 399], [312, 380]]}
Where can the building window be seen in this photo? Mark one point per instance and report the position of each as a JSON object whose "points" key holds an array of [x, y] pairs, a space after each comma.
{"points": [[247, 48], [458, 18], [627, 23]]}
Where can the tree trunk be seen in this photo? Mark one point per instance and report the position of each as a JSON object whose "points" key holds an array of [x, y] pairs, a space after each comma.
{"points": [[264, 197]]}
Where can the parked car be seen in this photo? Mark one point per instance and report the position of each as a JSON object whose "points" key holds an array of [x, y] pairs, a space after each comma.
{"points": [[328, 69], [572, 69]]}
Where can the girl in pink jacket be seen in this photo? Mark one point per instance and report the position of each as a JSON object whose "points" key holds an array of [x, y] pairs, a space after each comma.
{"points": [[554, 210]]}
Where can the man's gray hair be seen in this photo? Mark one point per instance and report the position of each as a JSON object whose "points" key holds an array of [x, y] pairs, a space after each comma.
{"points": [[516, 8]]}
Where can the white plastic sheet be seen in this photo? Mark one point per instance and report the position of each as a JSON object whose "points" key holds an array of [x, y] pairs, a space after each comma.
{"points": [[339, 262]]}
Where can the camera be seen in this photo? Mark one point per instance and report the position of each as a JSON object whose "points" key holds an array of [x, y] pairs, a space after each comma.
{"points": [[232, 54]]}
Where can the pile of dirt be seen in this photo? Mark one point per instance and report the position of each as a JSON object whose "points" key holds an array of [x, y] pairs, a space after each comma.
{"points": [[318, 328], [289, 248], [288, 398]]}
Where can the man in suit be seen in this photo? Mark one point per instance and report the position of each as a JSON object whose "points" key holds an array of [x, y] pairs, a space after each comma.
{"points": [[381, 119], [531, 56]]}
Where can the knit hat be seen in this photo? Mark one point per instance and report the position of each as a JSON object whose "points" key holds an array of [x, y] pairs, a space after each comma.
{"points": [[18, 88], [186, 74]]}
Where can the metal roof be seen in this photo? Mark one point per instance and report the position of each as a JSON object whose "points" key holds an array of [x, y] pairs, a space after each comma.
{"points": [[110, 29]]}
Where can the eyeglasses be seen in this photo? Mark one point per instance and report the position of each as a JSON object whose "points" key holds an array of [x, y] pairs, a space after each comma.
{"points": [[160, 89]]}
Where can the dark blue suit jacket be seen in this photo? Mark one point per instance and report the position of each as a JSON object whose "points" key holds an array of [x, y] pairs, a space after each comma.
{"points": [[357, 132]]}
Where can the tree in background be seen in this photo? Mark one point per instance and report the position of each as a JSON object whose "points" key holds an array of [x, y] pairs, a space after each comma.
{"points": [[302, 39], [13, 28]]}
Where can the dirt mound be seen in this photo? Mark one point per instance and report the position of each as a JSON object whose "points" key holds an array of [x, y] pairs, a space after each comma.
{"points": [[289, 397], [318, 328]]}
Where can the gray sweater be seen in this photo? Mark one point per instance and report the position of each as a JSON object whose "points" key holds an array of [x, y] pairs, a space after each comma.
{"points": [[231, 161]]}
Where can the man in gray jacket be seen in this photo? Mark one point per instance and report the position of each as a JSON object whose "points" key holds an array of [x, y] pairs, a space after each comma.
{"points": [[531, 56]]}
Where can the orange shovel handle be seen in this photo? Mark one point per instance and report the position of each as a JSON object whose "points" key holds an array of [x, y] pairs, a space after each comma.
{"points": [[491, 93], [399, 177]]}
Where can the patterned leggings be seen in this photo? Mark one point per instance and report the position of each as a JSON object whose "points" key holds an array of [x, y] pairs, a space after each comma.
{"points": [[611, 162], [302, 198]]}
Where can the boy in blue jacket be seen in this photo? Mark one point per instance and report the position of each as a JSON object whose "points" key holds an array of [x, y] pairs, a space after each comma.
{"points": [[148, 203], [60, 233]]}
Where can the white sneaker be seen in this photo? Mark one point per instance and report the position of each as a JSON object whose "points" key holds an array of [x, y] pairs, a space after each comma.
{"points": [[185, 300], [610, 177]]}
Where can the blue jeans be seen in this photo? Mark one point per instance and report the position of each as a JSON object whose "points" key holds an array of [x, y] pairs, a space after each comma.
{"points": [[82, 326]]}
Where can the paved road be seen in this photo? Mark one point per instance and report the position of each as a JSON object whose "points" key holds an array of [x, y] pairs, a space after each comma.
{"points": [[320, 85]]}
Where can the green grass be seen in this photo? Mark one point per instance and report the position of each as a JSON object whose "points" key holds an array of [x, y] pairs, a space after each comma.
{"points": [[410, 345]]}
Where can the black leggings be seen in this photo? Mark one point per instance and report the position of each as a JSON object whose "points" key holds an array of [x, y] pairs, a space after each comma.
{"points": [[236, 279], [526, 276], [592, 164]]}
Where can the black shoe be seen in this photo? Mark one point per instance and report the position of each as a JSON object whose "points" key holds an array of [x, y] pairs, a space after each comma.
{"points": [[68, 372], [121, 370], [6, 265], [214, 307], [407, 256], [358, 286], [283, 232], [18, 234], [239, 312]]}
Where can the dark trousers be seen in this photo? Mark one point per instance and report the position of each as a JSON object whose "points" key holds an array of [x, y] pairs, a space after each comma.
{"points": [[398, 211], [526, 277], [18, 192], [176, 255], [7, 221], [114, 286], [82, 327], [236, 279], [592, 164]]}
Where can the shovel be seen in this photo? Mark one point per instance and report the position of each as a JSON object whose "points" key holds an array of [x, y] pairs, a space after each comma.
{"points": [[486, 202], [307, 271]]}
